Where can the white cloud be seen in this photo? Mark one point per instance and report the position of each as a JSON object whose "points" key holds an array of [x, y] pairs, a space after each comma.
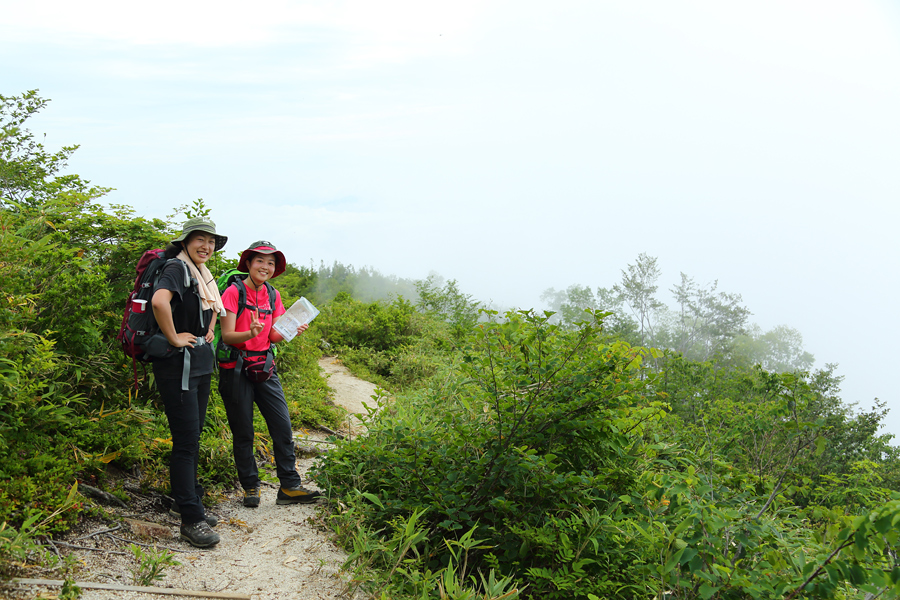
{"points": [[388, 30], [844, 38]]}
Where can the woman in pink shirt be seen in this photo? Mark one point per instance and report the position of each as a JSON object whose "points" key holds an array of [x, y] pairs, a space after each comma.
{"points": [[253, 378]]}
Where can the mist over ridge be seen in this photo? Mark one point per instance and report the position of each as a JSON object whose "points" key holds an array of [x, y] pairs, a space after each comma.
{"points": [[699, 321]]}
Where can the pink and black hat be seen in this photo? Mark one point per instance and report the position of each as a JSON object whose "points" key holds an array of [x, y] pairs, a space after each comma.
{"points": [[262, 247]]}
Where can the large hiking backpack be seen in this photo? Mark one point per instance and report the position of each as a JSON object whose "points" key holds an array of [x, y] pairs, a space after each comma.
{"points": [[139, 334], [224, 352]]}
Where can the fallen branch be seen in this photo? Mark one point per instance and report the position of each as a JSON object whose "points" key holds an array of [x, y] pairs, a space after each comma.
{"points": [[121, 539], [97, 494], [316, 441], [305, 451], [87, 585], [91, 549], [55, 549], [90, 535], [331, 431]]}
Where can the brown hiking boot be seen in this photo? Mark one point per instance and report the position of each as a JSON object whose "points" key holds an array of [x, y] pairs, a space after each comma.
{"points": [[211, 519], [199, 535], [297, 495], [251, 497]]}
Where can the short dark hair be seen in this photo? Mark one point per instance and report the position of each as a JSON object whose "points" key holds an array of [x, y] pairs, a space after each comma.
{"points": [[173, 250]]}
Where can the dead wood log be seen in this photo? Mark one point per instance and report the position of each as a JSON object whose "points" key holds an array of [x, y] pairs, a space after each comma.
{"points": [[88, 585], [97, 494]]}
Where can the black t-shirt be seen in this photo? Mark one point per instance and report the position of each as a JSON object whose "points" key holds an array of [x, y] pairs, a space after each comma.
{"points": [[186, 316]]}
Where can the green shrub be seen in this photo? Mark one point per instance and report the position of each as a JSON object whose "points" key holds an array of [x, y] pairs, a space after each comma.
{"points": [[389, 344], [17, 545], [521, 447], [379, 326], [445, 302], [150, 565], [716, 542], [67, 406]]}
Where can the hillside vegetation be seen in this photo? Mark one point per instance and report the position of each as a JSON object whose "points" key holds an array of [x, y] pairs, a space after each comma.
{"points": [[611, 447]]}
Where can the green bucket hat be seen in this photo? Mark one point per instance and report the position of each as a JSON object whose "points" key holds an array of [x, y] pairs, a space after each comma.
{"points": [[200, 224]]}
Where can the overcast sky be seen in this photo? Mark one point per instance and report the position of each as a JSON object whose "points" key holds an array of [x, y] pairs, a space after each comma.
{"points": [[512, 146]]}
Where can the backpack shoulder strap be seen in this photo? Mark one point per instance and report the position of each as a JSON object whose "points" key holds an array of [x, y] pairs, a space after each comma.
{"points": [[272, 298], [184, 268], [242, 297]]}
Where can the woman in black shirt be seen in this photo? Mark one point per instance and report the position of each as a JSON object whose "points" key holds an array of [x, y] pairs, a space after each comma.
{"points": [[185, 304]]}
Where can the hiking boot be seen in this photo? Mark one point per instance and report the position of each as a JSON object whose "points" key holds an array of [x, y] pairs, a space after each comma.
{"points": [[211, 519], [251, 497], [199, 535], [296, 495]]}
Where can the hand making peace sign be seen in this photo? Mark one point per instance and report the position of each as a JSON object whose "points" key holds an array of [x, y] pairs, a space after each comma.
{"points": [[256, 326]]}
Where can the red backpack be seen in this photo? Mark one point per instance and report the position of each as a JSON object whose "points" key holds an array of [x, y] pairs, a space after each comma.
{"points": [[139, 334], [138, 322]]}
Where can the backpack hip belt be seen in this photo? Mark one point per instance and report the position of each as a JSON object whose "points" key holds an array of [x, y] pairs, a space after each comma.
{"points": [[239, 367]]}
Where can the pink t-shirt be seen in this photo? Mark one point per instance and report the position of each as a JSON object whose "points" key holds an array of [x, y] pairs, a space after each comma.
{"points": [[242, 323]]}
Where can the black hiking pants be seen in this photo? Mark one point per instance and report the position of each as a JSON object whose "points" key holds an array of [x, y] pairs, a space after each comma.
{"points": [[186, 411], [269, 397]]}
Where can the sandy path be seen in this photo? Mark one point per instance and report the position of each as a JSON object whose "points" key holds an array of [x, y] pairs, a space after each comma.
{"points": [[349, 391], [268, 553]]}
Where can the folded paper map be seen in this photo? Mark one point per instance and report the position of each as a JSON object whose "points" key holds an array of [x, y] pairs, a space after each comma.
{"points": [[301, 313]]}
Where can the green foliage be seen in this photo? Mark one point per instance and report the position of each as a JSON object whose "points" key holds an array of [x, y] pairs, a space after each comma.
{"points": [[388, 567], [388, 343], [36, 412], [29, 175], [298, 281], [703, 324], [537, 456], [68, 407], [151, 564], [761, 421], [569, 308], [706, 321], [715, 543], [780, 349], [542, 448], [377, 325], [69, 590], [526, 430], [448, 304], [638, 291], [17, 545], [780, 427]]}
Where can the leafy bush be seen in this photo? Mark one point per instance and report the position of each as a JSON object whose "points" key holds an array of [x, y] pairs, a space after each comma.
{"points": [[716, 542], [790, 427], [522, 448], [150, 565], [544, 446], [67, 406], [379, 326], [390, 344], [447, 303]]}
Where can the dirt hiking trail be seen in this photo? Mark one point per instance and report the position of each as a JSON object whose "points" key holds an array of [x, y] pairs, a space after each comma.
{"points": [[268, 553]]}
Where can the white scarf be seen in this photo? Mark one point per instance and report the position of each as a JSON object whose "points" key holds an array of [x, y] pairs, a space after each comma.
{"points": [[206, 285]]}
